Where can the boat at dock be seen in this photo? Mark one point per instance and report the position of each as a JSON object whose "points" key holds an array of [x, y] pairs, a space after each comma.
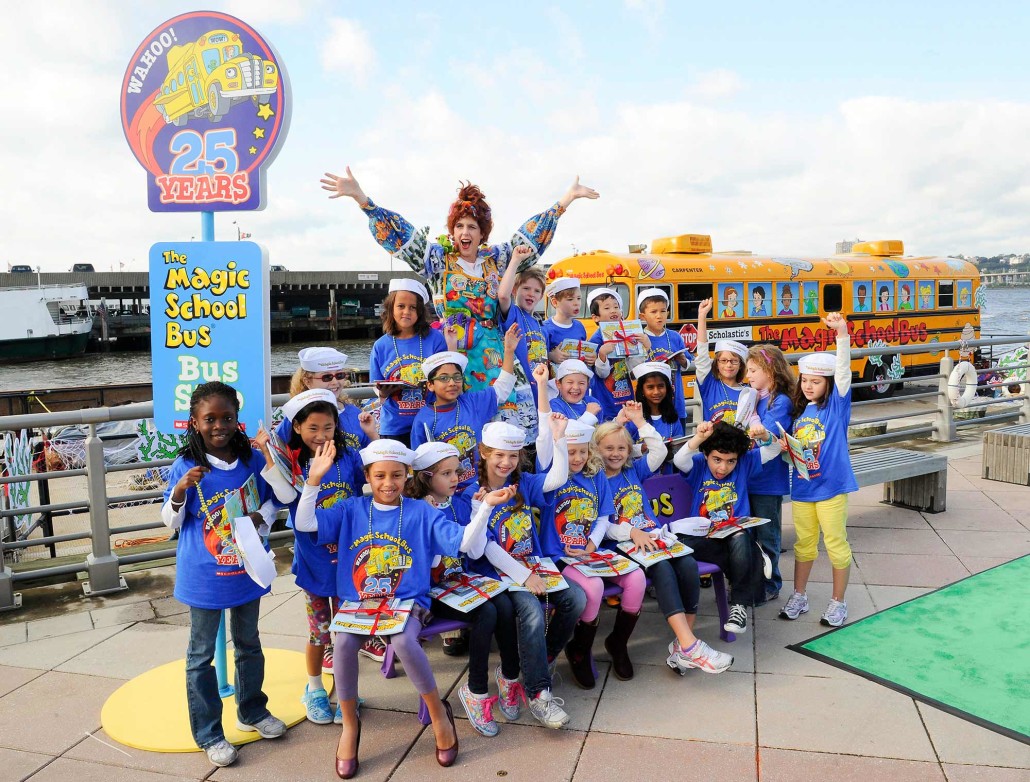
{"points": [[44, 322]]}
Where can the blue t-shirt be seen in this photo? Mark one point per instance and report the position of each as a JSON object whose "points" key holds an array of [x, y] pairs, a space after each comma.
{"points": [[460, 425], [313, 565], [667, 432], [775, 475], [663, 346], [448, 566], [823, 432], [616, 389], [569, 519], [401, 359], [556, 334], [718, 400], [353, 435], [381, 564], [532, 348], [711, 497], [514, 529], [208, 570], [573, 411], [630, 500]]}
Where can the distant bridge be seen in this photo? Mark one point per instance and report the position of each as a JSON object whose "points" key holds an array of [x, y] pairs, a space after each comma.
{"points": [[1003, 277]]}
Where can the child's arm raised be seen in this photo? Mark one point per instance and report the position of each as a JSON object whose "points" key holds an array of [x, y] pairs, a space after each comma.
{"points": [[504, 291], [558, 474], [473, 538], [703, 359], [684, 458], [505, 382], [842, 375]]}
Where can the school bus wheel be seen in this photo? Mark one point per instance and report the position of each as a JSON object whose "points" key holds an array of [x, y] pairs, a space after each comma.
{"points": [[219, 105], [876, 374]]}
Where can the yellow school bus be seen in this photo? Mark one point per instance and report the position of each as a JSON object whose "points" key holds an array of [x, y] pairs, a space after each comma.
{"points": [[888, 298], [209, 76]]}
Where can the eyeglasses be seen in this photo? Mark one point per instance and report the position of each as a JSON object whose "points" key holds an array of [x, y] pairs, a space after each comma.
{"points": [[456, 378], [729, 361], [329, 377]]}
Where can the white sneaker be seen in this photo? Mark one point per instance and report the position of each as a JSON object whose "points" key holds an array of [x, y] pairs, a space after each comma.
{"points": [[738, 619], [268, 728], [222, 754], [548, 710], [766, 566], [796, 605], [700, 656], [836, 613]]}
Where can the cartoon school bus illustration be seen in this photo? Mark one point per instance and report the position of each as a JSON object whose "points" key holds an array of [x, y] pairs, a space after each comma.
{"points": [[208, 77], [383, 560], [809, 435], [720, 498], [579, 509]]}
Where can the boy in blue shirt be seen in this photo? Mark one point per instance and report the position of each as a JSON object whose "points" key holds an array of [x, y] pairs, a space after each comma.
{"points": [[564, 296], [653, 309], [611, 384]]}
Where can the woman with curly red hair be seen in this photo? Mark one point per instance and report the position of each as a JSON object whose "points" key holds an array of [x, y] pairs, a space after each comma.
{"points": [[464, 272]]}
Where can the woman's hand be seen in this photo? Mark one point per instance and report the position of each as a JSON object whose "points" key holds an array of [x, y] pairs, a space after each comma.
{"points": [[339, 186], [634, 412], [576, 190], [501, 496], [642, 540], [536, 585], [558, 424], [325, 456]]}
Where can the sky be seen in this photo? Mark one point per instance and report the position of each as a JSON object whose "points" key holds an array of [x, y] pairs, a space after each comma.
{"points": [[777, 128]]}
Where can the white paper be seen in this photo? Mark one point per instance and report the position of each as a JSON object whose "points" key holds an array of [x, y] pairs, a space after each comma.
{"points": [[258, 563], [692, 525]]}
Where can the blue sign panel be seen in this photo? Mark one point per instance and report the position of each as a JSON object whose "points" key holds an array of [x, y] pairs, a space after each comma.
{"points": [[209, 320]]}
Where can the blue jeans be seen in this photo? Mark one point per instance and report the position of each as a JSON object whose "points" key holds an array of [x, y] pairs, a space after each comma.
{"points": [[769, 506], [536, 648], [494, 618], [677, 585], [739, 557], [205, 705]]}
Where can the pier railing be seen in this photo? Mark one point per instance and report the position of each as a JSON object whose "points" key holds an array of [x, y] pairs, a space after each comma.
{"points": [[104, 562]]}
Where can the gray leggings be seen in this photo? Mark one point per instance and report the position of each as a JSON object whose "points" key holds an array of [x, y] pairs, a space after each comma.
{"points": [[406, 646]]}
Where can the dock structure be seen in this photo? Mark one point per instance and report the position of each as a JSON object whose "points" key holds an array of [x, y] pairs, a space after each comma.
{"points": [[305, 305]]}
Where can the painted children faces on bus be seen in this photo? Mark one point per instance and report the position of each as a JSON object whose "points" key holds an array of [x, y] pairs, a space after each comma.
{"points": [[860, 299], [730, 310], [758, 308], [786, 300], [885, 299], [906, 297]]}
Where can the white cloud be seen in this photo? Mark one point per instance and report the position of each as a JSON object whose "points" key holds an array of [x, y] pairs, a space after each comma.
{"points": [[717, 83], [268, 12], [347, 49]]}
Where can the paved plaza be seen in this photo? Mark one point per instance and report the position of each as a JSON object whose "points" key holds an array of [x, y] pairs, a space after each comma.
{"points": [[775, 715]]}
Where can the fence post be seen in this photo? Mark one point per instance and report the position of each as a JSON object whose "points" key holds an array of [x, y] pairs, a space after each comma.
{"points": [[1024, 389], [9, 599], [944, 426], [104, 577]]}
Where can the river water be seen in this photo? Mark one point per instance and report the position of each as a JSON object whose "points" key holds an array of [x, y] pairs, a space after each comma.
{"points": [[1007, 311]]}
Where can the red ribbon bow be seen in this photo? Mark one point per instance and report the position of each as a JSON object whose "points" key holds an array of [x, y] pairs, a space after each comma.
{"points": [[463, 580], [620, 337], [721, 525], [379, 611]]}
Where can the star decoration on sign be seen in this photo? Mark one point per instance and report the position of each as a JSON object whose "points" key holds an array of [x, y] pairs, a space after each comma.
{"points": [[265, 111], [259, 132], [252, 150]]}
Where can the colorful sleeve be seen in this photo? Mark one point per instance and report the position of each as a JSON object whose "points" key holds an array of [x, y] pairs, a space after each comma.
{"points": [[537, 233], [401, 239]]}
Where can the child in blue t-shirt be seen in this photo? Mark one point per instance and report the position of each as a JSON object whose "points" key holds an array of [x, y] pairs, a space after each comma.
{"points": [[611, 384], [655, 395], [386, 545], [719, 465], [653, 309], [314, 423], [217, 478], [771, 377], [572, 381], [517, 297], [822, 412], [457, 417], [718, 392], [675, 581], [564, 296], [407, 341]]}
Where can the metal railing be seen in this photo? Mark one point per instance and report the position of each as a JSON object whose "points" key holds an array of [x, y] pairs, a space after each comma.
{"points": [[103, 563]]}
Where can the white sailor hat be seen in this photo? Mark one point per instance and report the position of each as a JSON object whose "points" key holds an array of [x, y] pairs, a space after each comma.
{"points": [[578, 433], [731, 346], [503, 436], [297, 403], [650, 367], [322, 359], [824, 364], [384, 450], [572, 366], [651, 293], [560, 284], [428, 454], [437, 360], [603, 292], [412, 286]]}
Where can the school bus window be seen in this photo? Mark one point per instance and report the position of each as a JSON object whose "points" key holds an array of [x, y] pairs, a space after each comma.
{"points": [[884, 296], [619, 287], [964, 293], [833, 298], [925, 297], [644, 286], [688, 296], [810, 298], [758, 297], [730, 305], [211, 59], [786, 299], [945, 294], [906, 301]]}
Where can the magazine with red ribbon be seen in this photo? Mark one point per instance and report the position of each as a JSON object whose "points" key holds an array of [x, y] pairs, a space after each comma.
{"points": [[543, 567], [465, 591], [601, 564], [578, 348], [623, 334], [648, 558], [378, 616]]}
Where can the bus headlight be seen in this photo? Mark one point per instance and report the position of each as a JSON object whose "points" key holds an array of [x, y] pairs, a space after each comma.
{"points": [[231, 73]]}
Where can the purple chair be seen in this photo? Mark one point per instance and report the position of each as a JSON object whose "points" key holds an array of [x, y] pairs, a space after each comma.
{"points": [[434, 628]]}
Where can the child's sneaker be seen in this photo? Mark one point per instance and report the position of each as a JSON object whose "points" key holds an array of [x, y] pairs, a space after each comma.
{"points": [[479, 709], [510, 696], [738, 619], [797, 604], [338, 717], [327, 660], [766, 566], [836, 613], [701, 655], [222, 753], [548, 710], [316, 704], [268, 728], [373, 648]]}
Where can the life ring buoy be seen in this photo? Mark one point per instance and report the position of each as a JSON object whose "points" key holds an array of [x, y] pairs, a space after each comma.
{"points": [[962, 384]]}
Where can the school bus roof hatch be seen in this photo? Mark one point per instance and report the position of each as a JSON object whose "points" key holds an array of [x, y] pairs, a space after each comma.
{"points": [[692, 244], [883, 248]]}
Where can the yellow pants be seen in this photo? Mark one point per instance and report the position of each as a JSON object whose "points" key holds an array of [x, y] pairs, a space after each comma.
{"points": [[830, 516]]}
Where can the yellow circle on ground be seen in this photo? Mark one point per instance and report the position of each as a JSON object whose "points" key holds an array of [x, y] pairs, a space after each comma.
{"points": [[150, 712]]}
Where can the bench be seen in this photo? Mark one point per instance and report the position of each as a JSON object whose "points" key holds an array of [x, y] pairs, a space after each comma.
{"points": [[1006, 454], [911, 479]]}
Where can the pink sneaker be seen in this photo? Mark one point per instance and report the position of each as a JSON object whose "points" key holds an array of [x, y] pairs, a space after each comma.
{"points": [[510, 696], [373, 649]]}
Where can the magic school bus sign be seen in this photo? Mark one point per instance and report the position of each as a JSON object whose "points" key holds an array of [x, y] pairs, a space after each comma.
{"points": [[204, 109]]}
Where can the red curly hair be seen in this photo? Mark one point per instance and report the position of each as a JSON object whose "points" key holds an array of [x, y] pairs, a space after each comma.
{"points": [[471, 203]]}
